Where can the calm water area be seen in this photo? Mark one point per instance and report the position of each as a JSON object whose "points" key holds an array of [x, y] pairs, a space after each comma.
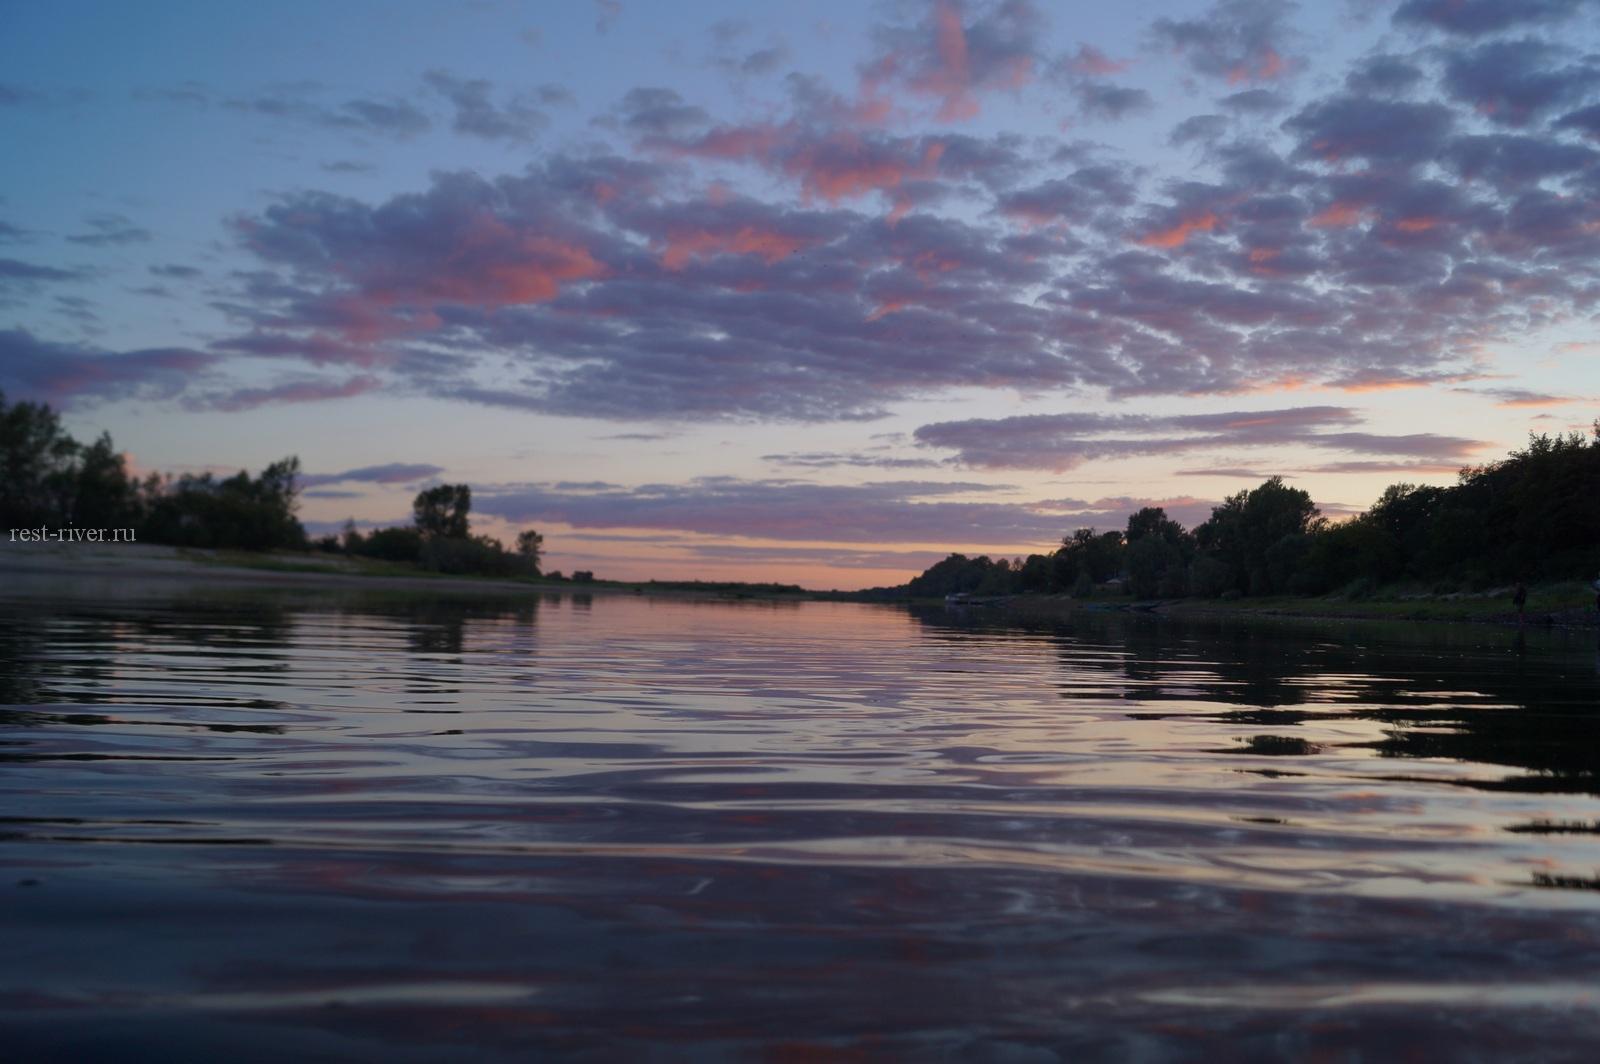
{"points": [[277, 825]]}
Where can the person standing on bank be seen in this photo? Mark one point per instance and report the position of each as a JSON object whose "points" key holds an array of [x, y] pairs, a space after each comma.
{"points": [[1520, 600]]}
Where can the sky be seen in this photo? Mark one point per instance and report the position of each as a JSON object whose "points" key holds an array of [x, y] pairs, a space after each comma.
{"points": [[814, 293]]}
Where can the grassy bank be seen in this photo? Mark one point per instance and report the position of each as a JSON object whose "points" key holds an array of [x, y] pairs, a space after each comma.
{"points": [[311, 570], [1567, 603]]}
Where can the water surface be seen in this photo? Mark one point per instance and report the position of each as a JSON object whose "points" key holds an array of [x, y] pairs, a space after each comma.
{"points": [[627, 828]]}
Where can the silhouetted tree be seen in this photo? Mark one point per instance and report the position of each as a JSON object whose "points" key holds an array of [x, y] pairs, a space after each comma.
{"points": [[238, 512], [103, 496], [530, 546], [1158, 554], [36, 466], [441, 512], [1240, 531]]}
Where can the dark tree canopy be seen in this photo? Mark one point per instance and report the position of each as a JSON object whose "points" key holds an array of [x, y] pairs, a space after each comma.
{"points": [[1533, 515], [441, 512]]}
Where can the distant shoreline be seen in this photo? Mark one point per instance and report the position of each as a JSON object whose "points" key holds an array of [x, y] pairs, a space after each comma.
{"points": [[1564, 605], [151, 563], [1487, 608]]}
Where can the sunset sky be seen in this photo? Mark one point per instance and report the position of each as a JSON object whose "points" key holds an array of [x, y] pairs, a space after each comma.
{"points": [[812, 292]]}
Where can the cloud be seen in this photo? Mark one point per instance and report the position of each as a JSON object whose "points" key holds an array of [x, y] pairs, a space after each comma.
{"points": [[1383, 75], [784, 510], [1254, 102], [63, 374], [1380, 131], [833, 558], [1089, 61], [13, 95], [291, 391], [111, 230], [177, 272], [1384, 235], [394, 118], [1586, 120], [1099, 100], [1198, 128], [1475, 18], [1516, 82], [1232, 472], [733, 57], [958, 53], [1523, 397], [26, 272], [1239, 41], [476, 115], [1083, 73], [389, 473], [647, 112], [1063, 441], [1420, 468], [834, 460]]}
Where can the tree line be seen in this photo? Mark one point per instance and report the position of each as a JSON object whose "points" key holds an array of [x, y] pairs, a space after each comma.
{"points": [[50, 480], [1534, 515]]}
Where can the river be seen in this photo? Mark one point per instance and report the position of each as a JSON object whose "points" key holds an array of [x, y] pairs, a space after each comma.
{"points": [[280, 825]]}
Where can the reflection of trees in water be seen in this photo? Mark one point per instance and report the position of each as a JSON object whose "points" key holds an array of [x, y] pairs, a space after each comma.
{"points": [[439, 626], [65, 651], [1470, 694], [18, 656], [235, 649]]}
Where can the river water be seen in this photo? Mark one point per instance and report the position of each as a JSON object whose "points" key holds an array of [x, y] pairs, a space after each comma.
{"points": [[282, 826]]}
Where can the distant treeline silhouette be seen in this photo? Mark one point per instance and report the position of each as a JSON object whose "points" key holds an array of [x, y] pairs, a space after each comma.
{"points": [[1534, 515], [48, 479], [440, 539]]}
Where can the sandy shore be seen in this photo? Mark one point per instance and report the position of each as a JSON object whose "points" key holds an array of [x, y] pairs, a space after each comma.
{"points": [[111, 564]]}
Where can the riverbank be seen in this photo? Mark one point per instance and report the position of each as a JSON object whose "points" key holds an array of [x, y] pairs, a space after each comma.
{"points": [[110, 565], [1567, 604]]}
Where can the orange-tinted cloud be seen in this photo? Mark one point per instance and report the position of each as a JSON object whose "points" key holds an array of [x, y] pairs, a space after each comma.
{"points": [[1339, 214], [1178, 234], [846, 165], [768, 245], [1264, 67]]}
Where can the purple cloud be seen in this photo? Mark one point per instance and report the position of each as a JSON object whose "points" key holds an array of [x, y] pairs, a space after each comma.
{"points": [[1239, 41], [834, 460], [891, 512], [18, 271], [1517, 82], [291, 391], [476, 114], [958, 53], [1063, 441], [390, 473], [63, 374], [1475, 18], [395, 118], [108, 230]]}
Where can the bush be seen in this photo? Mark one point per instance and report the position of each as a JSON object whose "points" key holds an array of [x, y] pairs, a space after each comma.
{"points": [[388, 544], [1359, 589], [465, 554], [1209, 577], [476, 555]]}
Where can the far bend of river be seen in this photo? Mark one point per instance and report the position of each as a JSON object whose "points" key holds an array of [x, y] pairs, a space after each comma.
{"points": [[290, 827]]}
